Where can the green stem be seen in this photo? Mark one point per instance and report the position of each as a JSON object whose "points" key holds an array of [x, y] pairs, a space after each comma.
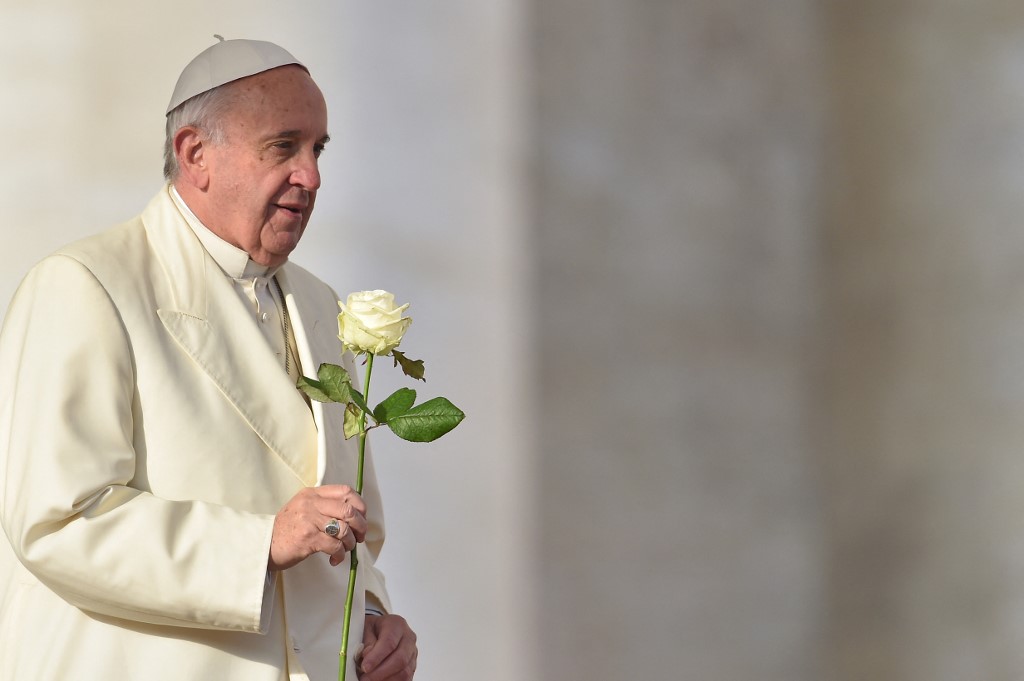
{"points": [[353, 558], [362, 423], [343, 656]]}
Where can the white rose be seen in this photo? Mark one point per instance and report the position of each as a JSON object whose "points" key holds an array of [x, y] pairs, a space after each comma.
{"points": [[370, 322]]}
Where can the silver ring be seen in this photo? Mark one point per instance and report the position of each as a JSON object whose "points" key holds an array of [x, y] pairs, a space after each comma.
{"points": [[333, 528]]}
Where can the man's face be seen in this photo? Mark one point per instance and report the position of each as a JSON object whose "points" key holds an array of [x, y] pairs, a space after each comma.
{"points": [[263, 174]]}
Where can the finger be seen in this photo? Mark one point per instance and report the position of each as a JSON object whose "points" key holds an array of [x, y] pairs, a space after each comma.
{"points": [[348, 539], [338, 558], [355, 518], [399, 666], [342, 493], [340, 536], [346, 514], [348, 531], [358, 526], [410, 670]]}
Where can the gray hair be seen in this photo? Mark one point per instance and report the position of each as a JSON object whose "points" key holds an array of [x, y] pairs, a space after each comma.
{"points": [[204, 111]]}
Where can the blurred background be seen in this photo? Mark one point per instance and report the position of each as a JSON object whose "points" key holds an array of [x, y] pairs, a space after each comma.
{"points": [[731, 290]]}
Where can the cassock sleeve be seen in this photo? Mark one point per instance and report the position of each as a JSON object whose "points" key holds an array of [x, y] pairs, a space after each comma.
{"points": [[67, 459]]}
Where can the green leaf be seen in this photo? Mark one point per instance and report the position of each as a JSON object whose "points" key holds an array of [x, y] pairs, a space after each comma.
{"points": [[355, 397], [333, 385], [314, 388], [411, 367], [351, 420], [336, 379], [428, 421], [396, 404]]}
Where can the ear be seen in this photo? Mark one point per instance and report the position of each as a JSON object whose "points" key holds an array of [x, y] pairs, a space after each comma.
{"points": [[190, 144]]}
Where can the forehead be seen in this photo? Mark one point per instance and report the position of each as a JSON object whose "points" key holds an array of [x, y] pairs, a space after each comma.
{"points": [[285, 98]]}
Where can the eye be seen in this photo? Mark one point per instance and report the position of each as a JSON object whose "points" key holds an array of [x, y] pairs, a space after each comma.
{"points": [[318, 149], [284, 144]]}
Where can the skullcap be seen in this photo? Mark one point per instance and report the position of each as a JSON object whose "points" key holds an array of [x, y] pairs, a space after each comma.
{"points": [[225, 61]]}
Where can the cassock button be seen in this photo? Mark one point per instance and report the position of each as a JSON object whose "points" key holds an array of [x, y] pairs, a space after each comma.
{"points": [[264, 317]]}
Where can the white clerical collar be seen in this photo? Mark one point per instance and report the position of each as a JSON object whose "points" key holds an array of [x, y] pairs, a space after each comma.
{"points": [[235, 262]]}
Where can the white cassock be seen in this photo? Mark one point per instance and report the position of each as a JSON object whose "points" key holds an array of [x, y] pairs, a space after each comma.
{"points": [[148, 436]]}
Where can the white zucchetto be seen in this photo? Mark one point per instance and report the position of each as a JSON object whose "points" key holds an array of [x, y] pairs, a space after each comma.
{"points": [[225, 61]]}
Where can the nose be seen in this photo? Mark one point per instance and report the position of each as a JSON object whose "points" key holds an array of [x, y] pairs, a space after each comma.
{"points": [[306, 173]]}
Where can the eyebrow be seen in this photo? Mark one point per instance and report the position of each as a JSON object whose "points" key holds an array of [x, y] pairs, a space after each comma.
{"points": [[297, 133]]}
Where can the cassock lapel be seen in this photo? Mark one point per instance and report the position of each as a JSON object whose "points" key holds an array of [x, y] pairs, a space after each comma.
{"points": [[303, 318], [211, 324]]}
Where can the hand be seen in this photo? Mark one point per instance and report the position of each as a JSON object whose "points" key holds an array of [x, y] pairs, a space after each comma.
{"points": [[389, 649], [299, 525]]}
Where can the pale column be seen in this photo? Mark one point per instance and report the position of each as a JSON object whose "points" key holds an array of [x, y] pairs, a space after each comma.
{"points": [[676, 153], [921, 428]]}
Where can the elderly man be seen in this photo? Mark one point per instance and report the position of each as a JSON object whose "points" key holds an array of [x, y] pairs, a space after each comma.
{"points": [[174, 508]]}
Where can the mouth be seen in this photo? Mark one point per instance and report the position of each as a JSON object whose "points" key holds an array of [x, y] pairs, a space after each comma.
{"points": [[294, 210]]}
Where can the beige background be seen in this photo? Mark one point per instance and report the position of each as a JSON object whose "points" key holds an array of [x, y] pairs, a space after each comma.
{"points": [[731, 290]]}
